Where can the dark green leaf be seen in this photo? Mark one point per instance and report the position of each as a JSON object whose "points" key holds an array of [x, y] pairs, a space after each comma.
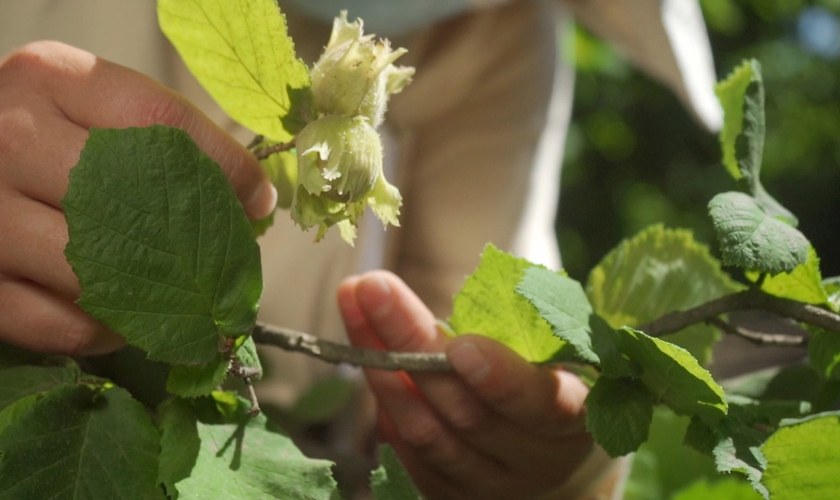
{"points": [[238, 457], [618, 414], [162, 248], [22, 381], [489, 305], [81, 443], [656, 272], [824, 353], [325, 400], [191, 381], [390, 481], [752, 239]]}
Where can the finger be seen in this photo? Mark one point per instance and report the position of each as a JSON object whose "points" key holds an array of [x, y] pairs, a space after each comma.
{"points": [[553, 402], [416, 423], [59, 326], [35, 235], [30, 164], [93, 92]]}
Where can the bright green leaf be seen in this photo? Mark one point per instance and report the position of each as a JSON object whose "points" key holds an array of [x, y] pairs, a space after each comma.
{"points": [[22, 381], [724, 489], [803, 284], [673, 375], [803, 459], [390, 481], [489, 305], [246, 352], [618, 414], [242, 55], [191, 381], [81, 443], [238, 457], [831, 286], [751, 239], [561, 301], [282, 169], [656, 272], [161, 245]]}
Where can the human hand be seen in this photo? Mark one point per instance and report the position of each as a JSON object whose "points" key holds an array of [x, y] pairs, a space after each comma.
{"points": [[498, 428], [50, 95]]}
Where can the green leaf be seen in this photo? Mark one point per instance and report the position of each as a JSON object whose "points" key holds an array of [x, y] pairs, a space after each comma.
{"points": [[323, 402], [831, 286], [22, 381], [724, 489], [246, 352], [390, 481], [664, 465], [824, 353], [81, 443], [803, 458], [282, 169], [618, 414], [803, 284], [191, 381], [162, 248], [656, 272], [489, 305], [751, 239], [238, 458], [673, 375], [561, 301], [742, 137], [242, 55], [735, 442]]}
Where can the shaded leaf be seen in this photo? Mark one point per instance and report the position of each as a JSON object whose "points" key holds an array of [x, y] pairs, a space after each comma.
{"points": [[656, 272], [723, 489], [246, 352], [803, 459], [488, 305], [82, 443], [22, 381], [161, 245], [664, 465], [752, 239], [390, 481], [618, 414], [242, 55], [191, 381], [238, 458], [824, 353]]}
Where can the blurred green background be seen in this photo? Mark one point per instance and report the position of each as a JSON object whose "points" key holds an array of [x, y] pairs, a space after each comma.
{"points": [[634, 156]]}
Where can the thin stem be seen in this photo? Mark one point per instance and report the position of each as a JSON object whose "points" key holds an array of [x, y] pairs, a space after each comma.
{"points": [[263, 153], [333, 352], [245, 373], [760, 338]]}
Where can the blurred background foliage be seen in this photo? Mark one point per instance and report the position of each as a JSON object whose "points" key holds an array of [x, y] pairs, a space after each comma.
{"points": [[635, 157]]}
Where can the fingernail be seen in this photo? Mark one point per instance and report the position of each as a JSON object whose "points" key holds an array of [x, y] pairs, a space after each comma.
{"points": [[469, 362], [262, 201]]}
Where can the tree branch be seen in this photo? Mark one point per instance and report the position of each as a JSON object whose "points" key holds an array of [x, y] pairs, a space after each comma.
{"points": [[263, 153], [760, 338], [743, 301], [332, 352]]}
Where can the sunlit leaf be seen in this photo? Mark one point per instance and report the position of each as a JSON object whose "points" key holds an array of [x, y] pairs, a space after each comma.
{"points": [[242, 55], [803, 284]]}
